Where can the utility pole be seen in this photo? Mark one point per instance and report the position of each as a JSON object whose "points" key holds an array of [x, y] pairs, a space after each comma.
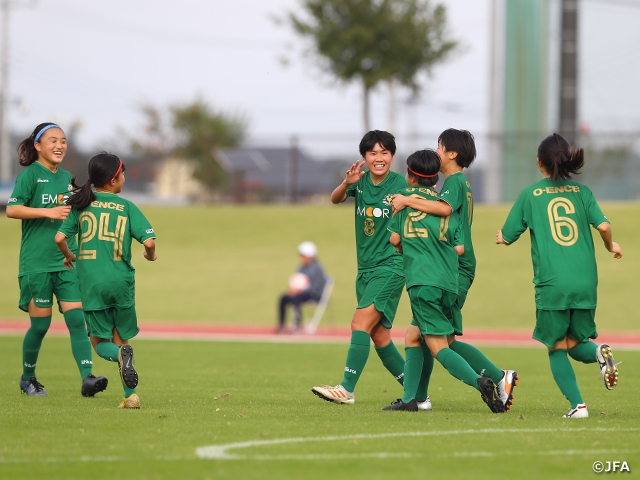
{"points": [[568, 121], [5, 156]]}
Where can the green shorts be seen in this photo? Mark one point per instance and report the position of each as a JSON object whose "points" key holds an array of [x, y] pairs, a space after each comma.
{"points": [[42, 286], [383, 289], [102, 322], [433, 310], [554, 325]]}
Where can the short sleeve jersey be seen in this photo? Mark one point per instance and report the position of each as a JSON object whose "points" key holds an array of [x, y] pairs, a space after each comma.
{"points": [[558, 215], [427, 244], [373, 212], [456, 191], [39, 187], [107, 227]]}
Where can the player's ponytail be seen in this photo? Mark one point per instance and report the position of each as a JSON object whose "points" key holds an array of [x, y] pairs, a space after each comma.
{"points": [[27, 153], [559, 159], [102, 168], [424, 165]]}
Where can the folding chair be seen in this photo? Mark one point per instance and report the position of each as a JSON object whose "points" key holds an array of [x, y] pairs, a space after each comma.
{"points": [[321, 306]]}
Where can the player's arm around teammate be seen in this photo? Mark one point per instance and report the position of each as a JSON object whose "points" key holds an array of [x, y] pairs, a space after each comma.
{"points": [[559, 212], [38, 199]]}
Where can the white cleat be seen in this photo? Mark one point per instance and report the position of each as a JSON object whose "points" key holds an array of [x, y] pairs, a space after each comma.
{"points": [[426, 405], [608, 367], [505, 388], [579, 412], [337, 394]]}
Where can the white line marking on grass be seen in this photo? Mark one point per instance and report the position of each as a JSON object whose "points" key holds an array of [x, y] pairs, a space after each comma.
{"points": [[221, 452]]}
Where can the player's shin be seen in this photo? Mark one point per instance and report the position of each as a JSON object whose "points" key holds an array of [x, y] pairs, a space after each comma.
{"points": [[80, 345], [32, 343], [392, 360], [412, 372], [356, 358], [565, 377]]}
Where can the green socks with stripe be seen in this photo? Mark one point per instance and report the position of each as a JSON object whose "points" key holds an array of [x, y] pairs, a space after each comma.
{"points": [[356, 359], [80, 344], [584, 352], [565, 377], [32, 343], [392, 360], [458, 367]]}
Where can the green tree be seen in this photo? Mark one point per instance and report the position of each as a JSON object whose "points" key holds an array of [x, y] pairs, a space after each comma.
{"points": [[191, 131], [375, 40]]}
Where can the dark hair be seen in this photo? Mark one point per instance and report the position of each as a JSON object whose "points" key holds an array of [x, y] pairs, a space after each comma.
{"points": [[559, 159], [461, 142], [424, 162], [102, 168], [385, 139], [27, 153]]}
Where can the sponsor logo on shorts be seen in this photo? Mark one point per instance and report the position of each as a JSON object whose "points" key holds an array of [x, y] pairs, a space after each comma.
{"points": [[41, 300], [399, 376]]}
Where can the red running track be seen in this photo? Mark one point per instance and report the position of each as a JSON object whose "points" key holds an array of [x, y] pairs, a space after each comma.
{"points": [[192, 331]]}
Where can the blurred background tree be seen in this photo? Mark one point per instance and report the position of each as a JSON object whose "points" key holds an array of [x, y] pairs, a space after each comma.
{"points": [[371, 41], [190, 131]]}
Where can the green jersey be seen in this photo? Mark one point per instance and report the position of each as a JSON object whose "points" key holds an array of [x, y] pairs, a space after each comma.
{"points": [[456, 191], [558, 216], [373, 214], [427, 244], [106, 228], [39, 187]]}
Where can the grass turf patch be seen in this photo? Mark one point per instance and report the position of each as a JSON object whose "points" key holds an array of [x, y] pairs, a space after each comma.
{"points": [[197, 394]]}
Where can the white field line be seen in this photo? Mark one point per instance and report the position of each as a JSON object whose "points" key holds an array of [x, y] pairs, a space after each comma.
{"points": [[221, 452]]}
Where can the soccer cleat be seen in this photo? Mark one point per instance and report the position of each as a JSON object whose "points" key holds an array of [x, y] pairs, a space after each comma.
{"points": [[608, 367], [337, 394], [579, 412], [127, 368], [132, 401], [93, 385], [32, 387], [489, 396], [505, 388], [412, 406], [426, 405]]}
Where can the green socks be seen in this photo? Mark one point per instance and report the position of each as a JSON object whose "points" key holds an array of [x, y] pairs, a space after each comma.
{"points": [[477, 360], [31, 345], [392, 360], [80, 344], [584, 352], [109, 351], [427, 367], [412, 372], [356, 359], [458, 367], [565, 377]]}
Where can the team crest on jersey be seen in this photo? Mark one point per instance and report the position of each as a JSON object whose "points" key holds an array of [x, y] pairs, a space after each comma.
{"points": [[387, 200]]}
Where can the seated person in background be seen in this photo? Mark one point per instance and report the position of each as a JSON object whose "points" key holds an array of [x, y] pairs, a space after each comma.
{"points": [[305, 285]]}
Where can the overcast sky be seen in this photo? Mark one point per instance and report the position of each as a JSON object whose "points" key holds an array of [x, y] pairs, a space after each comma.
{"points": [[96, 62]]}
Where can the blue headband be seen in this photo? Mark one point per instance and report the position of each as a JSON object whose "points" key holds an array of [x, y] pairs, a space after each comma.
{"points": [[53, 125]]}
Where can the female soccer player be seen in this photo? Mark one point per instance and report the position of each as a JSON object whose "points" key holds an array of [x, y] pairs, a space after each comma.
{"points": [[430, 246], [558, 211], [380, 278], [38, 199], [107, 224]]}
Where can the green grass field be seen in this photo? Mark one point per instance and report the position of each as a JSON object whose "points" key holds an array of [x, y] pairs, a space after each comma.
{"points": [[198, 394], [228, 265]]}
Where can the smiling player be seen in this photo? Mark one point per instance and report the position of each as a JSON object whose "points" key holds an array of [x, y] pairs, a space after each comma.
{"points": [[38, 199], [380, 277]]}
